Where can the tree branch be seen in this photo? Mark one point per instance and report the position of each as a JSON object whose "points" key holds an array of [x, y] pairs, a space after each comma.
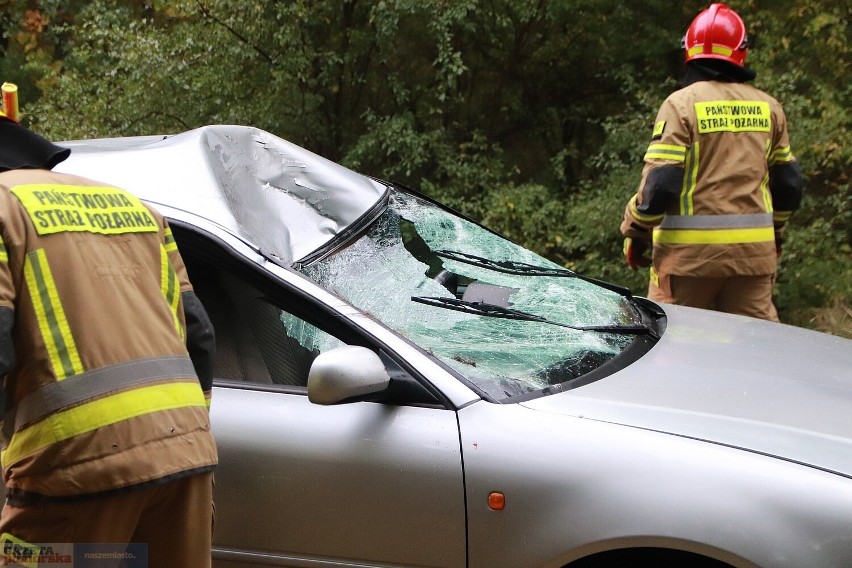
{"points": [[209, 15]]}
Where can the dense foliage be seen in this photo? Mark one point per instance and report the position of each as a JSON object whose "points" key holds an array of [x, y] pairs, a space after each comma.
{"points": [[530, 115]]}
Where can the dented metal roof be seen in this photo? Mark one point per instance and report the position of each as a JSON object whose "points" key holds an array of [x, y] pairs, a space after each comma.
{"points": [[278, 196]]}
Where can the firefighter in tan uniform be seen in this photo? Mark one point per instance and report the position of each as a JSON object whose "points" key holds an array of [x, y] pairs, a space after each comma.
{"points": [[719, 181], [106, 355]]}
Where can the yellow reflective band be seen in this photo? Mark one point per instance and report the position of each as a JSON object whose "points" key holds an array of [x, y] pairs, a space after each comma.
{"points": [[713, 236], [690, 180], [659, 128], [781, 156], [781, 216], [766, 193], [170, 244], [649, 219], [170, 288], [4, 256], [99, 413], [733, 116], [655, 278], [716, 49], [61, 349], [665, 152], [764, 183], [55, 208]]}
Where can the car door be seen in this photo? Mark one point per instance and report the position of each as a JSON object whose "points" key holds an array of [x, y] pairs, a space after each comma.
{"points": [[299, 484]]}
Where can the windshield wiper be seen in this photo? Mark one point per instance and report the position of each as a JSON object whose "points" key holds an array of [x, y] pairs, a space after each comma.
{"points": [[525, 269], [491, 310]]}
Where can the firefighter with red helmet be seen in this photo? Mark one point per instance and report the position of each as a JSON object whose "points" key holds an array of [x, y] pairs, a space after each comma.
{"points": [[719, 181], [106, 359]]}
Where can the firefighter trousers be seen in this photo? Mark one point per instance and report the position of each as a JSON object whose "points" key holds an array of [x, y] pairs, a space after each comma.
{"points": [[170, 523], [744, 295]]}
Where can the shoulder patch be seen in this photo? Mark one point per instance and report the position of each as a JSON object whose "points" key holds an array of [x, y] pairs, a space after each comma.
{"points": [[733, 116], [658, 130], [57, 208]]}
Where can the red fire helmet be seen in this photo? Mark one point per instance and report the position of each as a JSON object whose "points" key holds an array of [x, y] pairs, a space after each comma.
{"points": [[717, 33]]}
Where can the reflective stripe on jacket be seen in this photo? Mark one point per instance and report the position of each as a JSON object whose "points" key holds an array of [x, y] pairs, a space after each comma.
{"points": [[704, 197], [103, 394]]}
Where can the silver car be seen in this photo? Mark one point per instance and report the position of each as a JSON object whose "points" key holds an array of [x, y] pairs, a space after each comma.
{"points": [[399, 386]]}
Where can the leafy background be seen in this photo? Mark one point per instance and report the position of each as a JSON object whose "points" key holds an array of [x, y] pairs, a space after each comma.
{"points": [[531, 116]]}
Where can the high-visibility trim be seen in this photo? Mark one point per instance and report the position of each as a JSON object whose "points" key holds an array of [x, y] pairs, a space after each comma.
{"points": [[57, 208], [715, 49], [655, 278], [690, 180], [781, 217], [61, 349], [781, 156], [739, 221], [4, 256], [100, 413], [665, 152], [765, 192], [713, 236], [170, 288], [169, 241], [96, 383], [649, 219]]}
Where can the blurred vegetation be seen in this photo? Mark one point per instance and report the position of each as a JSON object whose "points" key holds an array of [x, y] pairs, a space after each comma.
{"points": [[529, 115]]}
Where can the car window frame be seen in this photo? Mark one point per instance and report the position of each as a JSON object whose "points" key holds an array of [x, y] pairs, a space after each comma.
{"points": [[649, 313], [208, 247]]}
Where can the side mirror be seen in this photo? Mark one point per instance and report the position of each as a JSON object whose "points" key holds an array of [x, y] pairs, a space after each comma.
{"points": [[346, 373]]}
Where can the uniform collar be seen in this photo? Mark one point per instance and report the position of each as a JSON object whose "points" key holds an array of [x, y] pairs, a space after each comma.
{"points": [[22, 149], [715, 70]]}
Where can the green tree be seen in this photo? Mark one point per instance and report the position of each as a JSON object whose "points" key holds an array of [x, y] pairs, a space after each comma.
{"points": [[531, 115]]}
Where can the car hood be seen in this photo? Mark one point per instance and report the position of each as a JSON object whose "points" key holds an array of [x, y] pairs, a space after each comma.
{"points": [[759, 386]]}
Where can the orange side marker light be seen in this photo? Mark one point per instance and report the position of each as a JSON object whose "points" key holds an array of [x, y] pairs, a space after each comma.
{"points": [[496, 501]]}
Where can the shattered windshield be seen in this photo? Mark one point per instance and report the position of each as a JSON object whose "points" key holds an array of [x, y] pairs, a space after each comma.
{"points": [[506, 319]]}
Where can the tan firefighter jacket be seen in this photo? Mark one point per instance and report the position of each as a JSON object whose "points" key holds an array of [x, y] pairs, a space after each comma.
{"points": [[103, 395], [716, 188]]}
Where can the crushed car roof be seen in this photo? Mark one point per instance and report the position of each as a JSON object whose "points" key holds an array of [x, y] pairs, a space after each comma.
{"points": [[284, 199]]}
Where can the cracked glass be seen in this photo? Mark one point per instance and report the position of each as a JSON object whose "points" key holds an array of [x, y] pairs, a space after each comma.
{"points": [[427, 273]]}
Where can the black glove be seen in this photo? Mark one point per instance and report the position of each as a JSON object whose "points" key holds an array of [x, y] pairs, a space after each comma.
{"points": [[634, 253], [200, 339]]}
